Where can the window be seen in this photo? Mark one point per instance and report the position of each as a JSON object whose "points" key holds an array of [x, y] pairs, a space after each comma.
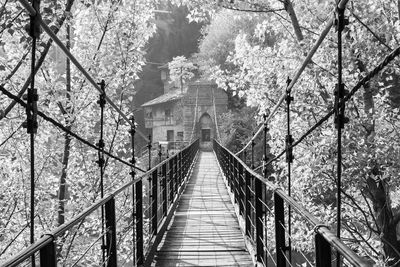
{"points": [[149, 114], [170, 135]]}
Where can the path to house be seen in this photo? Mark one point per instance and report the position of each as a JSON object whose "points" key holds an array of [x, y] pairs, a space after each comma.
{"points": [[205, 230]]}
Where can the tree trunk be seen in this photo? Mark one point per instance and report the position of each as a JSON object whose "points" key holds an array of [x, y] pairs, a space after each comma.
{"points": [[377, 189], [67, 141]]}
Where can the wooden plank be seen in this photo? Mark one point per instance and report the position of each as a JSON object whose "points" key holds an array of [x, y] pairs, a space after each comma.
{"points": [[204, 230]]}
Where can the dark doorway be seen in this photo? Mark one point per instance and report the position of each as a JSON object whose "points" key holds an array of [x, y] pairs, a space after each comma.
{"points": [[205, 135]]}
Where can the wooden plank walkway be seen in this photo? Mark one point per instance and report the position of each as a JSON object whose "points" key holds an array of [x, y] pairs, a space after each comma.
{"points": [[204, 230]]}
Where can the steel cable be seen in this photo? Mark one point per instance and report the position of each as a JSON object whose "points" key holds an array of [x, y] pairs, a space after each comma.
{"points": [[63, 128], [388, 59]]}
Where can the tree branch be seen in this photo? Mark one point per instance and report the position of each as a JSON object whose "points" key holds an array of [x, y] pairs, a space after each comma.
{"points": [[41, 59]]}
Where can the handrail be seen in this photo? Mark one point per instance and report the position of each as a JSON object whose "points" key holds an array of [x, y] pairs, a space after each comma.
{"points": [[233, 166], [307, 60], [46, 28], [183, 159]]}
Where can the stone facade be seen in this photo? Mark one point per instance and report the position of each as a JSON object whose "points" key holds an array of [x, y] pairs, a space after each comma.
{"points": [[178, 117]]}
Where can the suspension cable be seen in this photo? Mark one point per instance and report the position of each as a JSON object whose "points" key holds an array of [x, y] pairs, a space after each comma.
{"points": [[47, 29], [215, 116], [195, 115], [296, 77], [63, 128], [388, 59]]}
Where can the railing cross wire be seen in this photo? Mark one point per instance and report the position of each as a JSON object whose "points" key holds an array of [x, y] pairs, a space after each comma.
{"points": [[325, 240], [178, 167], [341, 97]]}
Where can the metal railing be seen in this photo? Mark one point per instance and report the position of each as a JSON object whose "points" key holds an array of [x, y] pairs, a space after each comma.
{"points": [[258, 198], [166, 181]]}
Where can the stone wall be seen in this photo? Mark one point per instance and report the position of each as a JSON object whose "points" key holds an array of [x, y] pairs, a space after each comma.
{"points": [[203, 93]]}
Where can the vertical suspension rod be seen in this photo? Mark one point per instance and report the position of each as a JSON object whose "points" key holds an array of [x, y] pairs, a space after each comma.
{"points": [[264, 189], [100, 162], [60, 44], [133, 173], [289, 160], [31, 112], [253, 143], [149, 150], [340, 120]]}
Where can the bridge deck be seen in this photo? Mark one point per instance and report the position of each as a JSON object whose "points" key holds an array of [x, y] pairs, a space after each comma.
{"points": [[205, 230]]}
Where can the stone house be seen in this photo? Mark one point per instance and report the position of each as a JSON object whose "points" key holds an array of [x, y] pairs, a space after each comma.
{"points": [[185, 113]]}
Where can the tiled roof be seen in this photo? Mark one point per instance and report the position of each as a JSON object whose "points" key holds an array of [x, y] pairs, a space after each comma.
{"points": [[170, 96]]}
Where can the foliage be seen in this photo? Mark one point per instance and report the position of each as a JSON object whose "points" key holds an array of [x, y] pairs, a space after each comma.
{"points": [[108, 39], [181, 70], [260, 62]]}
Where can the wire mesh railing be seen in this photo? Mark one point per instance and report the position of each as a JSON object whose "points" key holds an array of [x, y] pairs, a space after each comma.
{"points": [[141, 214], [261, 206]]}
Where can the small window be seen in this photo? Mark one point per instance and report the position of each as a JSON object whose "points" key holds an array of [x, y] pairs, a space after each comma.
{"points": [[170, 135], [149, 114]]}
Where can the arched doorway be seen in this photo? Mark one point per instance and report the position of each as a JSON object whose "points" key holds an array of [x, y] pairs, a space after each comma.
{"points": [[206, 127]]}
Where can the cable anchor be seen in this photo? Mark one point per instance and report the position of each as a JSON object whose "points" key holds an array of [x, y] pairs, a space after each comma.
{"points": [[340, 118], [340, 20], [288, 98], [289, 148], [31, 123], [102, 98], [34, 30]]}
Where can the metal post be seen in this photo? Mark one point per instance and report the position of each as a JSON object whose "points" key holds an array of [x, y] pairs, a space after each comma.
{"points": [[264, 192], [133, 173], [265, 159], [154, 200], [241, 177], [149, 150], [247, 202], [258, 220], [159, 153], [171, 179], [48, 257], [31, 113], [279, 231], [111, 244], [180, 168], [139, 222], [235, 181], [100, 162], [253, 143], [165, 188], [323, 252], [289, 160], [340, 119], [176, 176]]}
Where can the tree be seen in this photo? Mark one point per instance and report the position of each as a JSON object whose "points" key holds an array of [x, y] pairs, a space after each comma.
{"points": [[108, 39], [371, 144]]}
